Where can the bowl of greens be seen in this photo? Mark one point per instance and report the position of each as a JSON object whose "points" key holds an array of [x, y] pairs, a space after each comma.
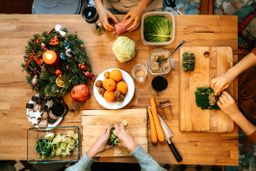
{"points": [[59, 145], [157, 28]]}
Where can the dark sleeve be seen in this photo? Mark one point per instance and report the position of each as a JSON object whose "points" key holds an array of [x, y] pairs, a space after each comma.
{"points": [[253, 137]]}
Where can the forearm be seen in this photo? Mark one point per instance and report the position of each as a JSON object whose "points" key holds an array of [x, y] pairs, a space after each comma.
{"points": [[243, 123], [84, 164], [146, 162], [98, 4], [144, 3], [247, 62]]}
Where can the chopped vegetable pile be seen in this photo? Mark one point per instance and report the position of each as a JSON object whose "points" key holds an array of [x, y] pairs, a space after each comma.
{"points": [[113, 139], [188, 61], [157, 29], [52, 145], [205, 98]]}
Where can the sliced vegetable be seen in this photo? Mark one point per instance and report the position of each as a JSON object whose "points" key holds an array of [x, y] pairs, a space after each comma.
{"points": [[159, 129], [157, 29], [113, 139], [152, 127], [52, 145]]}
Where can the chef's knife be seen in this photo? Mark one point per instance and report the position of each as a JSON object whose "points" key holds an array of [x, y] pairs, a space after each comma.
{"points": [[168, 135]]}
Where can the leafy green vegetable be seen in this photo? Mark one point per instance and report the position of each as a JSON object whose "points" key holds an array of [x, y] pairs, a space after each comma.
{"points": [[44, 148], [113, 139], [188, 61], [56, 145], [205, 98], [157, 29]]}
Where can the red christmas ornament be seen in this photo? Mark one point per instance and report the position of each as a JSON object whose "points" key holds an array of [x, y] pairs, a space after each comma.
{"points": [[82, 67], [58, 72], [89, 75]]}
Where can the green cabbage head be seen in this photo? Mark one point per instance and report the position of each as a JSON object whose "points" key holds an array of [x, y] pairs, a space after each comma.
{"points": [[157, 29]]}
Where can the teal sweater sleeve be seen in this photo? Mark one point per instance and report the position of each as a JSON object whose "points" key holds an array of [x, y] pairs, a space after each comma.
{"points": [[146, 162], [84, 164]]}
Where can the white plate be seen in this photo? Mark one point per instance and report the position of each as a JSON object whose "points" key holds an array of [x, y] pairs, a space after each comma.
{"points": [[49, 126], [115, 105]]}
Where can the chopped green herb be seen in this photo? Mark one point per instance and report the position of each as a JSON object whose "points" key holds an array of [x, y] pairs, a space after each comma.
{"points": [[188, 61], [205, 98]]}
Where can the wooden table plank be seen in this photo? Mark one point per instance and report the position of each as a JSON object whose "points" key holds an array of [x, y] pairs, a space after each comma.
{"points": [[196, 148]]}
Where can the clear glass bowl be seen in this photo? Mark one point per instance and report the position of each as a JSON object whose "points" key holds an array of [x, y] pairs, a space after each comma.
{"points": [[33, 134]]}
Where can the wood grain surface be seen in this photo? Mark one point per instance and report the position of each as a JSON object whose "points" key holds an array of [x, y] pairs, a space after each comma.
{"points": [[207, 66], [195, 148], [94, 122]]}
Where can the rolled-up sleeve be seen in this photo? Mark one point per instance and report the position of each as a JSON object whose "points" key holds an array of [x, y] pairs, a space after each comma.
{"points": [[146, 162], [84, 164]]}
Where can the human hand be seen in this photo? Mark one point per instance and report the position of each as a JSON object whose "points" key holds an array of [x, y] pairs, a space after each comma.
{"points": [[100, 144], [228, 105], [105, 16], [221, 82], [133, 18], [125, 137]]}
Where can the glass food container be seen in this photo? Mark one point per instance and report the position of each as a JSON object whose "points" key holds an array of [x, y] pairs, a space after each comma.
{"points": [[33, 134], [160, 62]]}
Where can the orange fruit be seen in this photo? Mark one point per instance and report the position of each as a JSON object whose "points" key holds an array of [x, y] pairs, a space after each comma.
{"points": [[109, 84], [122, 87], [109, 96], [116, 75]]}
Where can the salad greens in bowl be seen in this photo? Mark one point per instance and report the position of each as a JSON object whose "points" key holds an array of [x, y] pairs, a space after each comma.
{"points": [[157, 28]]}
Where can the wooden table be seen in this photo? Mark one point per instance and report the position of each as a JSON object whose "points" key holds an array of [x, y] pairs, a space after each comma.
{"points": [[196, 148]]}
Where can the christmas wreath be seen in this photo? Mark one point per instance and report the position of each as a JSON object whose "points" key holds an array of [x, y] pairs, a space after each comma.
{"points": [[56, 62]]}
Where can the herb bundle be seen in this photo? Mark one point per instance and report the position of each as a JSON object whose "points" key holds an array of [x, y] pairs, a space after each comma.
{"points": [[188, 61], [205, 98]]}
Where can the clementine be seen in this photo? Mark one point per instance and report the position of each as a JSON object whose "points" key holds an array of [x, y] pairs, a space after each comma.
{"points": [[109, 84], [116, 75], [109, 96], [122, 87]]}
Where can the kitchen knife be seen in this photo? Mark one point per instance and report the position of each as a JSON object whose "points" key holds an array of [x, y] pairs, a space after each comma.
{"points": [[168, 135]]}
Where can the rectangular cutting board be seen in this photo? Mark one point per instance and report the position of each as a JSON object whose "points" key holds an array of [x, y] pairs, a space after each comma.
{"points": [[193, 118], [95, 121]]}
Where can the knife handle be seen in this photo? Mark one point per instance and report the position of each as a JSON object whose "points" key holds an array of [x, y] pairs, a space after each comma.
{"points": [[174, 151]]}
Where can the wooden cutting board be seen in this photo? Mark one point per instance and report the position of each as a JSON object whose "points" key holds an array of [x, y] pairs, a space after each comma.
{"points": [[193, 118], [95, 121]]}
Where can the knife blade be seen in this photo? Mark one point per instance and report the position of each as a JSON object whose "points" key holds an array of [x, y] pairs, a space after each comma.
{"points": [[168, 135]]}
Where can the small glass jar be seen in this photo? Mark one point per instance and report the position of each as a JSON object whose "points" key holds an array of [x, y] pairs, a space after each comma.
{"points": [[139, 72], [160, 62]]}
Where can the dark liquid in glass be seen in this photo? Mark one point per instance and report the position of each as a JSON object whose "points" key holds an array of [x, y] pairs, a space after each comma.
{"points": [[159, 83], [58, 109], [90, 14]]}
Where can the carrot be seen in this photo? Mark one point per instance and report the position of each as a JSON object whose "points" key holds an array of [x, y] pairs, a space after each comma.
{"points": [[159, 129], [152, 127]]}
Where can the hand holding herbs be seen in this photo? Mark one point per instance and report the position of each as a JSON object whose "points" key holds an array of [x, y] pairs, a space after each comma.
{"points": [[52, 145], [188, 61], [205, 98], [221, 82], [125, 137], [100, 144], [228, 105]]}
